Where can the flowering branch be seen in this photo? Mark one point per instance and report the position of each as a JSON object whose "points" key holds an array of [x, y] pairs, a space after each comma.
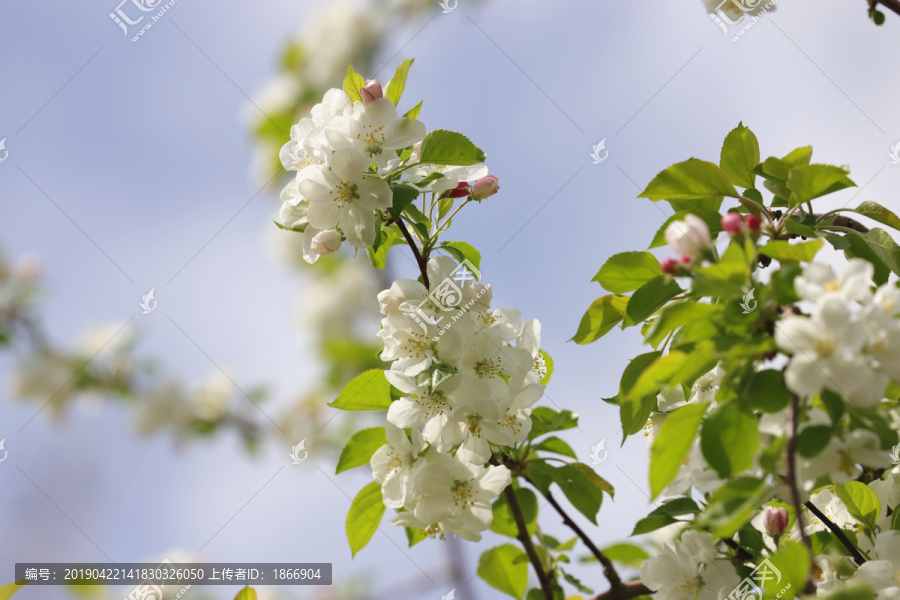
{"points": [[837, 531], [415, 250], [525, 539]]}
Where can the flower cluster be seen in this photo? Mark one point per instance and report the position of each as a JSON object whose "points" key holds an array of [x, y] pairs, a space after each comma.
{"points": [[850, 343], [469, 375]]}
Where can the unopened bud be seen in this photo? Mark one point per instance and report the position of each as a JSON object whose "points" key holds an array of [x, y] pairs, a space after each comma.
{"points": [[753, 223], [669, 266], [690, 237], [775, 520], [731, 223], [371, 91], [484, 187], [326, 242], [460, 191]]}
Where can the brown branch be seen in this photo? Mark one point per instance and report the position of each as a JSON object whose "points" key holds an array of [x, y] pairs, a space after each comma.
{"points": [[857, 556], [525, 539], [630, 589], [423, 266], [792, 480]]}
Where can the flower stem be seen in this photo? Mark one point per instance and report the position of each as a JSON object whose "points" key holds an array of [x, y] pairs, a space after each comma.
{"points": [[423, 265], [836, 531], [792, 475], [525, 539]]}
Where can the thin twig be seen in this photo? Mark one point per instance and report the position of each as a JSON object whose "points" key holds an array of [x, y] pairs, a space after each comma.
{"points": [[423, 266], [792, 475], [525, 539], [837, 531], [891, 5], [631, 589]]}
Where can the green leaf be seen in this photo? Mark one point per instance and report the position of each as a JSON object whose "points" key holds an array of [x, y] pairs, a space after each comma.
{"points": [[395, 87], [364, 516], [505, 568], [726, 280], [634, 412], [545, 419], [601, 317], [675, 507], [651, 296], [360, 448], [767, 391], [555, 445], [730, 439], [652, 523], [442, 147], [731, 506], [783, 251], [463, 251], [385, 239], [885, 247], [674, 368], [862, 502], [672, 445], [247, 593], [813, 440], [627, 554], [792, 562], [369, 390], [352, 84], [413, 113], [740, 153], [7, 591], [504, 523], [548, 364], [627, 271], [404, 195], [414, 536], [583, 487], [877, 212], [812, 181], [676, 315], [859, 247], [692, 179]]}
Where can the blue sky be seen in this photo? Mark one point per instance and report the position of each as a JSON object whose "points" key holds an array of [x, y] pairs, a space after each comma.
{"points": [[142, 157]]}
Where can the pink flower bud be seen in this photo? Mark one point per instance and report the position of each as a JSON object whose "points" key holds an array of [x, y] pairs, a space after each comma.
{"points": [[753, 223], [484, 187], [690, 237], [731, 223], [686, 260], [460, 191], [371, 92], [326, 242], [669, 266], [775, 520]]}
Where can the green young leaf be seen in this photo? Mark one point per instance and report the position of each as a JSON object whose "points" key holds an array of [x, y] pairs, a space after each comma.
{"points": [[692, 179], [505, 524], [247, 593], [813, 440], [602, 316], [369, 390], [364, 516], [7, 591], [413, 113], [792, 562], [555, 445], [712, 218], [672, 445], [877, 212], [404, 195], [505, 568], [414, 536], [360, 448], [731, 506], [463, 251], [676, 315], [442, 147], [627, 554], [862, 502], [859, 247], [675, 507], [767, 391], [583, 487], [784, 251], [634, 412], [627, 271], [352, 84], [885, 247], [812, 181], [545, 419], [674, 368], [548, 364], [397, 84], [740, 153], [726, 280], [730, 439], [652, 523], [651, 296]]}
